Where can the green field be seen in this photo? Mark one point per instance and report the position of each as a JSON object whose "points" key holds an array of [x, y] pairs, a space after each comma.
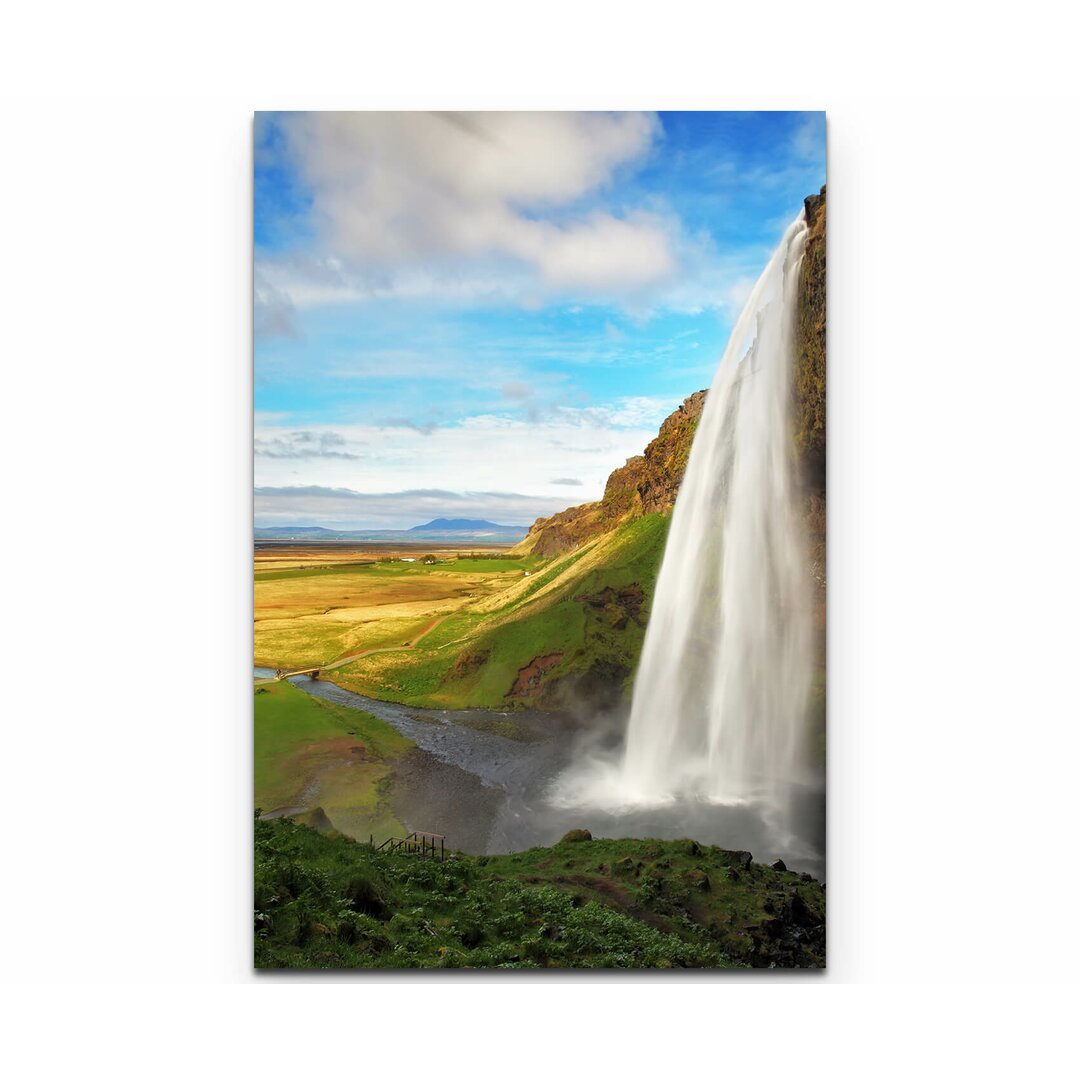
{"points": [[310, 753], [323, 902]]}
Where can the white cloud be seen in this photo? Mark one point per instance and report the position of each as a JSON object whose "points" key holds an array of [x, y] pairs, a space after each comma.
{"points": [[488, 453], [417, 203]]}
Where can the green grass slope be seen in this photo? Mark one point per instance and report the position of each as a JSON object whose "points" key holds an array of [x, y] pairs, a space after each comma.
{"points": [[308, 749], [323, 902], [574, 628]]}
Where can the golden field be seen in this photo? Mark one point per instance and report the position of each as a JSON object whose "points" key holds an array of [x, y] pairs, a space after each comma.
{"points": [[315, 605]]}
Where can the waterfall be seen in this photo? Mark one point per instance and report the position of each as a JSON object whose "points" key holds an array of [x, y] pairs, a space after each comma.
{"points": [[720, 695]]}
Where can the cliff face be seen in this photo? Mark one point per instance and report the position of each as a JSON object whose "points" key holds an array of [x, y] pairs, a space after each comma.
{"points": [[647, 484], [808, 389], [808, 383]]}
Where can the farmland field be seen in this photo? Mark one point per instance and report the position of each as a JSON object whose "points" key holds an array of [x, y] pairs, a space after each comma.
{"points": [[315, 605], [495, 629]]}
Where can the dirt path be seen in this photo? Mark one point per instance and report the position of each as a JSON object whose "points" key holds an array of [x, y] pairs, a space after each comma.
{"points": [[356, 656]]}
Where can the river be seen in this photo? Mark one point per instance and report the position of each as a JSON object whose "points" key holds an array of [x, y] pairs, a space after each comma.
{"points": [[482, 778]]}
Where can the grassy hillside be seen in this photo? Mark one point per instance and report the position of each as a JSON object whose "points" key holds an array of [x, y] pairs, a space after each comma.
{"points": [[304, 746], [573, 627], [323, 902]]}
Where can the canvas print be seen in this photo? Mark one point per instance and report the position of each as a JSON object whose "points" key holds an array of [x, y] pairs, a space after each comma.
{"points": [[539, 540]]}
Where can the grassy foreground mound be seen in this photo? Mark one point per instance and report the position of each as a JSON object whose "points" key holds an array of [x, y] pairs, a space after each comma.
{"points": [[303, 745], [327, 902]]}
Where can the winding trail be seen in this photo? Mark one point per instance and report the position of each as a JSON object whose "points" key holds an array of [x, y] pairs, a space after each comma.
{"points": [[356, 656]]}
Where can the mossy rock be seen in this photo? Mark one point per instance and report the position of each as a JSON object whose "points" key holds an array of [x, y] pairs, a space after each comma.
{"points": [[575, 836], [699, 879]]}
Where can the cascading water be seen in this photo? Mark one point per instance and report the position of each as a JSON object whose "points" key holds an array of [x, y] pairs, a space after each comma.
{"points": [[720, 696]]}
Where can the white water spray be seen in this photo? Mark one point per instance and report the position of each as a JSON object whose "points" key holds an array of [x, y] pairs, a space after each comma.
{"points": [[720, 695]]}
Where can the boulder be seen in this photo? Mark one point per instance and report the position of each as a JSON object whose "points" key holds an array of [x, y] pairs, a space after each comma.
{"points": [[699, 879], [576, 836]]}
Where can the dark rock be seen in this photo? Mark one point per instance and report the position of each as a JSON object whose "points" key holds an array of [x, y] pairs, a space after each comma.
{"points": [[693, 848], [779, 865], [795, 912], [699, 879], [743, 858], [805, 877]]}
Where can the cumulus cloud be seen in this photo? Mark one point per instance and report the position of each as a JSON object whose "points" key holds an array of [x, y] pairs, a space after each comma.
{"points": [[400, 199]]}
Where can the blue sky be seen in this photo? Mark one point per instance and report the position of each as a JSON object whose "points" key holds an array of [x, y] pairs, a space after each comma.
{"points": [[481, 315]]}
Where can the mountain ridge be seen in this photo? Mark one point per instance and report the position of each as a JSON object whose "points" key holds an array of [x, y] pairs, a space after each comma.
{"points": [[466, 525]]}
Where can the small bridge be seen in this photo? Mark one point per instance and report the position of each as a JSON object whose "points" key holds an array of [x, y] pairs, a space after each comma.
{"points": [[281, 673], [418, 843]]}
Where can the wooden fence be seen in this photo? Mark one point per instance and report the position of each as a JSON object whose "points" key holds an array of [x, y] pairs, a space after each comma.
{"points": [[424, 844]]}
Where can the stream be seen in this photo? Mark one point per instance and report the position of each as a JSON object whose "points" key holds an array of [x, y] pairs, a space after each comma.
{"points": [[509, 808]]}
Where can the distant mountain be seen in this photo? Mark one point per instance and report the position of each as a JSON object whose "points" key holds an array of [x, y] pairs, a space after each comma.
{"points": [[295, 532], [441, 529], [469, 525]]}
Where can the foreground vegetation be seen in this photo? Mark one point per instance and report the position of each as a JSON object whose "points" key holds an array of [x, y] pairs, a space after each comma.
{"points": [[323, 901]]}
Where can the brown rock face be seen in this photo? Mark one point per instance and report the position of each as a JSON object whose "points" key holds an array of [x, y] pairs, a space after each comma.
{"points": [[808, 395], [530, 677], [666, 456], [808, 382], [623, 483], [646, 484]]}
